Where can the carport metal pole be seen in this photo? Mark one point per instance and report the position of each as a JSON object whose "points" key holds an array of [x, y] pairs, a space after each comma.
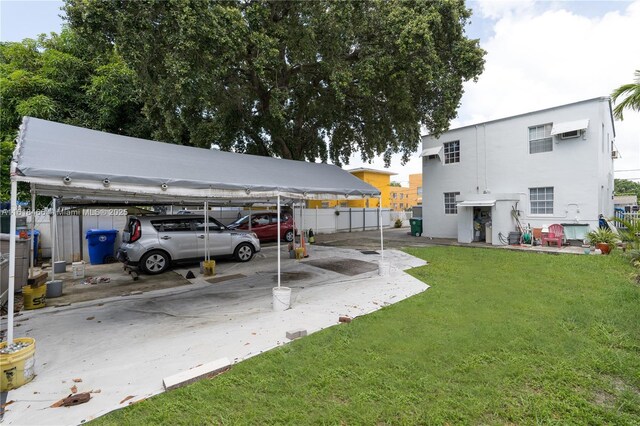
{"points": [[32, 246], [206, 231], [278, 236], [12, 259], [54, 237], [381, 235], [293, 208]]}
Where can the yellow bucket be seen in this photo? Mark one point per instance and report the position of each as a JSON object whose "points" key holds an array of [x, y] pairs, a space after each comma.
{"points": [[209, 267], [34, 297], [17, 368]]}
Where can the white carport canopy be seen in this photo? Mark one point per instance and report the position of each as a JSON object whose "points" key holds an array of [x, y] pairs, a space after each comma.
{"points": [[73, 162], [569, 126], [83, 166]]}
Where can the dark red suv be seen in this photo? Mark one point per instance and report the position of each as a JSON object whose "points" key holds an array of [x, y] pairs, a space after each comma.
{"points": [[265, 225]]}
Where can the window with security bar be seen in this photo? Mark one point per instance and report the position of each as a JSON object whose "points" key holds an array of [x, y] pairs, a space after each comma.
{"points": [[452, 152], [540, 139], [541, 200], [450, 206]]}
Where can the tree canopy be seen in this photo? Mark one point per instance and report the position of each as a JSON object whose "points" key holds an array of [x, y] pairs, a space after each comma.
{"points": [[631, 91], [626, 187], [302, 80], [61, 78]]}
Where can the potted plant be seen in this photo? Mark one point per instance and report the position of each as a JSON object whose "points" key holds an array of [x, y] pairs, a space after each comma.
{"points": [[603, 239]]}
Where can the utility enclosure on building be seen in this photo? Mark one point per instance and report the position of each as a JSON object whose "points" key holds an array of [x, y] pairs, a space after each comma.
{"points": [[545, 167]]}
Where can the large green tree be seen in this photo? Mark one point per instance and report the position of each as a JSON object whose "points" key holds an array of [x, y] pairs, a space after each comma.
{"points": [[61, 78], [631, 94], [303, 80], [626, 187]]}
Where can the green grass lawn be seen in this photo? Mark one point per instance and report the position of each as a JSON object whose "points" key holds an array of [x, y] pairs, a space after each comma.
{"points": [[501, 337]]}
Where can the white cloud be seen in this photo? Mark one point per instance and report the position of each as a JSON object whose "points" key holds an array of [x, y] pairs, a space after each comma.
{"points": [[495, 9]]}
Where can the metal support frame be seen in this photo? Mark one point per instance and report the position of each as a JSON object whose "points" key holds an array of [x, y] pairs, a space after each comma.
{"points": [[278, 216], [381, 233], [54, 237], [206, 231], [302, 222], [12, 243], [293, 209], [32, 246], [12, 260]]}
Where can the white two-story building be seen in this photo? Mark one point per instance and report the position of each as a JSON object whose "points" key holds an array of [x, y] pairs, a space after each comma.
{"points": [[540, 168]]}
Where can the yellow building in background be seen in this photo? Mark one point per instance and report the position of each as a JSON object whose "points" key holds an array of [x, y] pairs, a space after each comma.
{"points": [[376, 178], [402, 198]]}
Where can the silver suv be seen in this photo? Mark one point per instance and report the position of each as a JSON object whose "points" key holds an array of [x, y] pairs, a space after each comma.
{"points": [[152, 243]]}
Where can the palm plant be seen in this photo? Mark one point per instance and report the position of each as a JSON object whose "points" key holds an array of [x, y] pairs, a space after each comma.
{"points": [[632, 101], [602, 236], [628, 230]]}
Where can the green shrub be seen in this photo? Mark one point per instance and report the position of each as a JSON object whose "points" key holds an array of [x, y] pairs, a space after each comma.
{"points": [[602, 235]]}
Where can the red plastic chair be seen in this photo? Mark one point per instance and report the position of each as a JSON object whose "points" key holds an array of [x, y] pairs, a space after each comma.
{"points": [[555, 234]]}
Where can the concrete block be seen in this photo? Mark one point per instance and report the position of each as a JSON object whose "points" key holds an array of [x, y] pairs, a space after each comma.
{"points": [[297, 333], [201, 372]]}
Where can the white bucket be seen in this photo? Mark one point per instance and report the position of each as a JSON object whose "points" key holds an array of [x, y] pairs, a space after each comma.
{"points": [[384, 268], [78, 269], [281, 298]]}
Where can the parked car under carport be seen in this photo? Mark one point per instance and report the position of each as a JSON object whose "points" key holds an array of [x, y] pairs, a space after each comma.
{"points": [[153, 244], [264, 225]]}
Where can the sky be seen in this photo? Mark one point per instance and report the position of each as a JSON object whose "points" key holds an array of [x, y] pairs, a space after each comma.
{"points": [[540, 54]]}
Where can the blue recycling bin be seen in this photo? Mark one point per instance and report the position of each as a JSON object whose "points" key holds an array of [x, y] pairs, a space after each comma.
{"points": [[36, 239], [101, 243]]}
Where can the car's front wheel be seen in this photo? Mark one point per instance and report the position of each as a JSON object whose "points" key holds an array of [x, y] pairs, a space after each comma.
{"points": [[288, 236], [244, 252], [155, 262]]}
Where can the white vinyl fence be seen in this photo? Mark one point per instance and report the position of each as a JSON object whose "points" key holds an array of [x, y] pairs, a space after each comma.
{"points": [[72, 228], [630, 217], [404, 216], [341, 219]]}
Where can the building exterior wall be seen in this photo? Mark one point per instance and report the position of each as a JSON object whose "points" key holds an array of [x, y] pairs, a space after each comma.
{"points": [[402, 198], [495, 159]]}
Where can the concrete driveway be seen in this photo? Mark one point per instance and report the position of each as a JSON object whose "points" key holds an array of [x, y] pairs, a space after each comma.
{"points": [[122, 347]]}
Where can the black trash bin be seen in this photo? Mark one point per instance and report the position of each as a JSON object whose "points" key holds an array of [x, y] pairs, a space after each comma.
{"points": [[416, 226]]}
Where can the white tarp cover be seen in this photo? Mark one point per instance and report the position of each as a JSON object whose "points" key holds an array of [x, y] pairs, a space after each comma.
{"points": [[569, 126], [47, 152], [479, 203], [428, 152]]}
